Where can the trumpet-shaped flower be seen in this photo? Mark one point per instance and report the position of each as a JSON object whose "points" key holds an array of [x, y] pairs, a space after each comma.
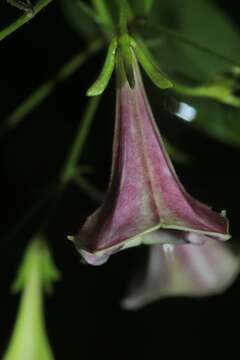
{"points": [[37, 273], [183, 270], [145, 199]]}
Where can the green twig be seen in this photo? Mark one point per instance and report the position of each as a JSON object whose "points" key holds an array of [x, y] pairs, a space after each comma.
{"points": [[123, 17], [67, 174], [88, 188], [86, 9], [23, 19], [22, 5], [69, 169], [44, 90], [104, 15]]}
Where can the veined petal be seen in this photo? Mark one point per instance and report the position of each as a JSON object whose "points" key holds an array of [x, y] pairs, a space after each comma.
{"points": [[144, 195]]}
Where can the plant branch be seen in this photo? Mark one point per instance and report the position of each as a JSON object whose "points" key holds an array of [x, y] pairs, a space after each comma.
{"points": [[88, 188], [68, 173], [69, 169], [104, 15], [44, 90], [23, 19]]}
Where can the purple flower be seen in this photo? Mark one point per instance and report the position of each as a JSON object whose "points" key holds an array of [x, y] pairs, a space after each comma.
{"points": [[145, 201], [183, 270]]}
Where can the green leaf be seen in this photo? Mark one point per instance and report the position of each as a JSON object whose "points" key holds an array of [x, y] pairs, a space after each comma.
{"points": [[204, 23], [153, 71], [215, 30], [103, 79], [222, 90], [127, 59]]}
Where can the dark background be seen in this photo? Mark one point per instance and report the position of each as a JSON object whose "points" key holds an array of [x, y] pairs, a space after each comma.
{"points": [[84, 319]]}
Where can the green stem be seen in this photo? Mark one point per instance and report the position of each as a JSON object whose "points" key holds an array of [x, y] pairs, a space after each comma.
{"points": [[67, 174], [123, 18], [88, 188], [104, 15], [86, 9], [23, 19], [186, 40], [69, 169], [44, 90], [25, 6]]}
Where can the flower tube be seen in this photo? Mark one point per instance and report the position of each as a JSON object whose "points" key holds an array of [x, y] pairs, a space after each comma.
{"points": [[145, 199]]}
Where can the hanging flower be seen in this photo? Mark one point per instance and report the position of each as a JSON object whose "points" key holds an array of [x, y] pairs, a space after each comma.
{"points": [[183, 270], [145, 202], [36, 275]]}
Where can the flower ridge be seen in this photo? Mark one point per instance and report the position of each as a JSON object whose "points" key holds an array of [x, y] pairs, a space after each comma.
{"points": [[145, 200]]}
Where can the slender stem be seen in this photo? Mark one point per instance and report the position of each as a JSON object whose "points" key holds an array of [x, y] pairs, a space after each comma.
{"points": [[44, 90], [104, 15], [88, 188], [23, 19], [67, 174], [123, 17], [69, 169], [186, 40], [148, 4], [90, 12], [25, 6]]}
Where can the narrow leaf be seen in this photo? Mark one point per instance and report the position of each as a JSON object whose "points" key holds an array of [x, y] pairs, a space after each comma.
{"points": [[126, 52], [222, 91], [156, 75], [103, 79], [104, 15]]}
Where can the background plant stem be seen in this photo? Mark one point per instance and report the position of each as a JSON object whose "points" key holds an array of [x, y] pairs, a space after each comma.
{"points": [[23, 19], [44, 90], [69, 169]]}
